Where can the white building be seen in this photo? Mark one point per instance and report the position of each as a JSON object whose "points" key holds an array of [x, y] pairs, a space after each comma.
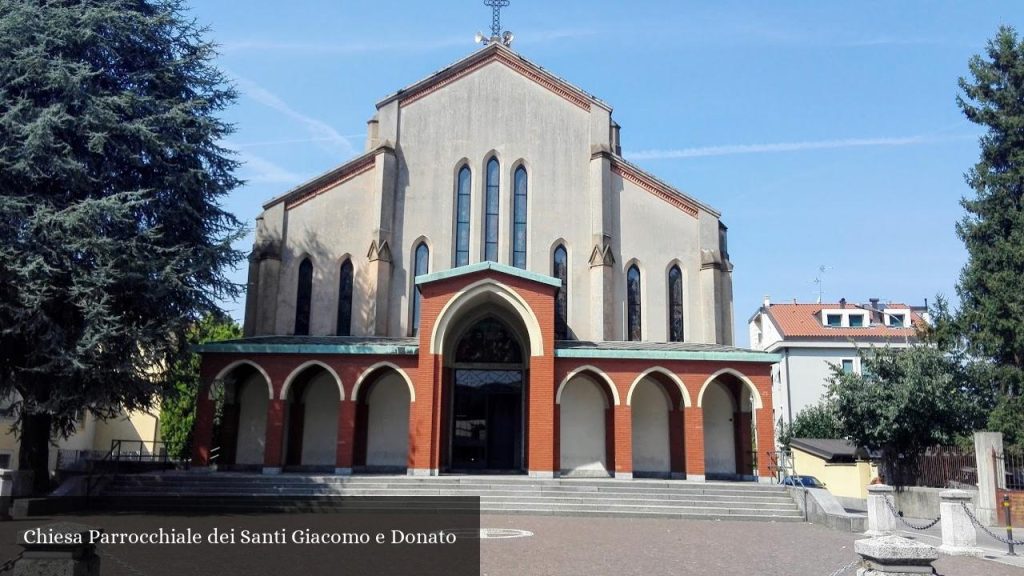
{"points": [[811, 338]]}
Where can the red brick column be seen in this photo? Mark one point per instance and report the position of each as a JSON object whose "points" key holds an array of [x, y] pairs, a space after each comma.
{"points": [[346, 437], [423, 418], [272, 453], [765, 422], [540, 454], [694, 425], [202, 439], [677, 442], [623, 441]]}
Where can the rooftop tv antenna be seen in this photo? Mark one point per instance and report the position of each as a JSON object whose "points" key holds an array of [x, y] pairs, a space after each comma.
{"points": [[819, 279], [497, 35]]}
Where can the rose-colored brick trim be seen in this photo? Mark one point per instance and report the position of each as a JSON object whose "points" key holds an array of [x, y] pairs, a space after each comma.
{"points": [[653, 187]]}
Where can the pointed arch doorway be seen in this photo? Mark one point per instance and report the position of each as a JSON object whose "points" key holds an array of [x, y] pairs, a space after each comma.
{"points": [[486, 399]]}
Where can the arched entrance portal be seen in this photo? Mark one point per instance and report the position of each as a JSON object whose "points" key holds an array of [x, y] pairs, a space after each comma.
{"points": [[383, 399], [311, 429], [241, 395], [729, 439], [486, 381]]}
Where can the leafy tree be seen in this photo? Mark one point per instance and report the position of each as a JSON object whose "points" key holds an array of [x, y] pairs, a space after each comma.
{"points": [[816, 421], [991, 316], [178, 405], [112, 238], [905, 401]]}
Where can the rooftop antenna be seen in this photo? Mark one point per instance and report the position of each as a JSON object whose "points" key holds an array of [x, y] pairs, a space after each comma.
{"points": [[497, 35], [819, 278]]}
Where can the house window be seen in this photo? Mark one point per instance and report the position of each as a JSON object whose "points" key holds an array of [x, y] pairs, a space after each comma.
{"points": [[896, 320], [519, 220], [675, 305], [421, 266], [560, 270], [303, 298], [462, 217], [633, 326], [345, 299], [847, 366], [834, 320], [491, 201], [5, 461], [856, 320]]}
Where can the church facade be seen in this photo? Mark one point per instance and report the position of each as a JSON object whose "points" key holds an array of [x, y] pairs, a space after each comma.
{"points": [[490, 288]]}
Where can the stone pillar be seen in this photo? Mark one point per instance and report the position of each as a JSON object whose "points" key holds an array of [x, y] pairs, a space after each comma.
{"points": [[72, 559], [623, 441], [602, 259], [894, 556], [540, 454], [881, 521], [693, 420], [273, 449], [380, 266], [991, 475], [346, 437], [958, 534]]}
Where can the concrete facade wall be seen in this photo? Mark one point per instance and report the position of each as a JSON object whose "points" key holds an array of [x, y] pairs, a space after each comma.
{"points": [[843, 480], [388, 423], [650, 409], [582, 418], [320, 422], [252, 398], [576, 197]]}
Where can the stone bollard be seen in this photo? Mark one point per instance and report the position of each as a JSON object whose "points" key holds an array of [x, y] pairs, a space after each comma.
{"points": [[62, 548], [959, 537], [881, 522], [6, 493], [894, 556]]}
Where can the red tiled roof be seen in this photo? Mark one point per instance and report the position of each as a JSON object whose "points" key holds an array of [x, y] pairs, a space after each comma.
{"points": [[804, 321]]}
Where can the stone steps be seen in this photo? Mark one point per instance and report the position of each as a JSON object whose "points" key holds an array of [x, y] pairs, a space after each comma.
{"points": [[233, 492]]}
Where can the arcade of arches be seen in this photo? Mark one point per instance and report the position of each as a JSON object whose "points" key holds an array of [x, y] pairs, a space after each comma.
{"points": [[484, 387]]}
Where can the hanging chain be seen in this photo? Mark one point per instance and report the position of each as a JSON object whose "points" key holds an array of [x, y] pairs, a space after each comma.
{"points": [[895, 513], [985, 529], [9, 565]]}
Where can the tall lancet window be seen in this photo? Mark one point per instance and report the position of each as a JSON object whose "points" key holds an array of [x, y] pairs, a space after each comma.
{"points": [[491, 201], [345, 299], [633, 326], [519, 220], [303, 298], [421, 266], [462, 206], [560, 270], [675, 304]]}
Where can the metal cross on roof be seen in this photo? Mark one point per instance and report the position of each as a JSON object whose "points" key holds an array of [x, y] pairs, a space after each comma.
{"points": [[496, 6]]}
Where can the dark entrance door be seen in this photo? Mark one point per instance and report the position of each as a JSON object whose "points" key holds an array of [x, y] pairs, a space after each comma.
{"points": [[487, 420], [486, 402]]}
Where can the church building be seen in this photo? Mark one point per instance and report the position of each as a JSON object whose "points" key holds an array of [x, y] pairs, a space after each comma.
{"points": [[489, 288]]}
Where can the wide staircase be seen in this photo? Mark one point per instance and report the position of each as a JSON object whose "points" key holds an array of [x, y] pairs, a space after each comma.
{"points": [[228, 492]]}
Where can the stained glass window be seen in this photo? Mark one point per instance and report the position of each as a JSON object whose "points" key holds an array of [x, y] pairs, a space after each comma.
{"points": [[675, 304], [345, 299], [633, 325], [560, 269], [303, 298], [519, 219], [491, 201], [489, 341], [421, 266], [462, 210]]}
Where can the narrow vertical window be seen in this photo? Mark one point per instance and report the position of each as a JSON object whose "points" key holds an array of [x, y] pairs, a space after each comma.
{"points": [[303, 298], [491, 201], [560, 268], [675, 304], [345, 299], [519, 220], [462, 218], [633, 327], [420, 267]]}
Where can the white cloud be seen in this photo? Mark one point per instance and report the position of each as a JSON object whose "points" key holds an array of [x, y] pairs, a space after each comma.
{"points": [[776, 147], [320, 132]]}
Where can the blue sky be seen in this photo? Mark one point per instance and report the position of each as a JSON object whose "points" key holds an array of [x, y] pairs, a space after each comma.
{"points": [[827, 133]]}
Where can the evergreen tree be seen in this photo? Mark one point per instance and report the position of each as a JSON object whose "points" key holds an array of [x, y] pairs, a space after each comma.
{"points": [[178, 405], [112, 238], [991, 316]]}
